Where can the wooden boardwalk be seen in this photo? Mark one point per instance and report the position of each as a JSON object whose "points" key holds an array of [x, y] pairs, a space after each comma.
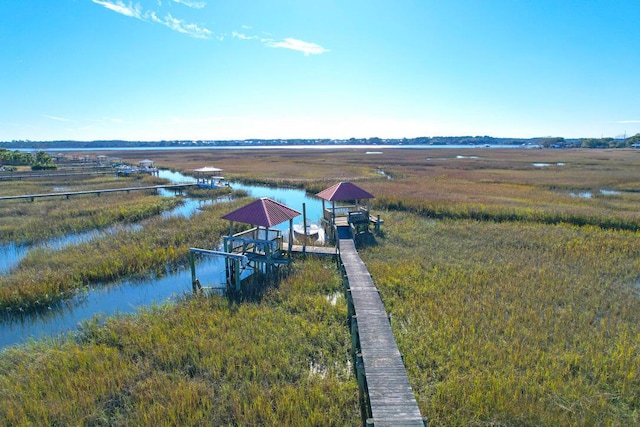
{"points": [[19, 176], [68, 194], [387, 396]]}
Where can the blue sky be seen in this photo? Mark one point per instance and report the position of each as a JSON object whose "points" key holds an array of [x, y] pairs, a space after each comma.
{"points": [[242, 69]]}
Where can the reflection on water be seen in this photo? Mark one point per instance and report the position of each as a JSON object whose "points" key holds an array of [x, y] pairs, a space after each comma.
{"points": [[129, 295]]}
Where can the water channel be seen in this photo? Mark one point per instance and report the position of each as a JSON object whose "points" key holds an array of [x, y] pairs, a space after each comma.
{"points": [[129, 295]]}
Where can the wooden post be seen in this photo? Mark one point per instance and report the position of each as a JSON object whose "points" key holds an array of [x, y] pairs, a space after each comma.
{"points": [[355, 342], [304, 228], [236, 269], [333, 213], [192, 264], [290, 237]]}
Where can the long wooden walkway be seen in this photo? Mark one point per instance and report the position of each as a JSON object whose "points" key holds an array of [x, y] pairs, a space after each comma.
{"points": [[19, 176], [387, 396], [68, 194]]}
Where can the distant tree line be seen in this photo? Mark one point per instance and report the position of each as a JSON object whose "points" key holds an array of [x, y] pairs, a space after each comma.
{"points": [[610, 142], [37, 161], [547, 142]]}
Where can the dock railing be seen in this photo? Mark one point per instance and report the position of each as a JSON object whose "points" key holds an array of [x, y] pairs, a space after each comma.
{"points": [[347, 212]]}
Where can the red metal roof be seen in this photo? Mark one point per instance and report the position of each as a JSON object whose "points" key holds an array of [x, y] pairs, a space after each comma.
{"points": [[263, 212], [344, 191]]}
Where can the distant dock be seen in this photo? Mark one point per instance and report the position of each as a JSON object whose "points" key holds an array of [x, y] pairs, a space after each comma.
{"points": [[68, 194]]}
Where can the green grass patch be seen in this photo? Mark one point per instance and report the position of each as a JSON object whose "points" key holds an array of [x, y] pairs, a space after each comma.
{"points": [[47, 276], [203, 361], [26, 222], [514, 323]]}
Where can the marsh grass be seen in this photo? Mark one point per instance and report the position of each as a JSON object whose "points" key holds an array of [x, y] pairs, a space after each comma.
{"points": [[514, 323], [482, 184], [213, 193], [46, 276], [203, 361], [512, 302], [26, 222]]}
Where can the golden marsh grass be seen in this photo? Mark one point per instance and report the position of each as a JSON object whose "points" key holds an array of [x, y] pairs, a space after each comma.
{"points": [[282, 361], [512, 301]]}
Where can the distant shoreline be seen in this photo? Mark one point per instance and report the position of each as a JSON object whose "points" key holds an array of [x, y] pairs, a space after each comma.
{"points": [[265, 147], [422, 142]]}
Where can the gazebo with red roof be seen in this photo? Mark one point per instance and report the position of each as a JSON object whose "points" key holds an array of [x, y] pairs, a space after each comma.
{"points": [[346, 215], [263, 214], [260, 246]]}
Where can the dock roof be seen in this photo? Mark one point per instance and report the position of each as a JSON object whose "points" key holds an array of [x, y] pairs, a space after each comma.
{"points": [[207, 170], [263, 212], [344, 191]]}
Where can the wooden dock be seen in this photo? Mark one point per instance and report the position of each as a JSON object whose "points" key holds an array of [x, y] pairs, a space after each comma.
{"points": [[67, 194], [387, 398], [19, 176]]}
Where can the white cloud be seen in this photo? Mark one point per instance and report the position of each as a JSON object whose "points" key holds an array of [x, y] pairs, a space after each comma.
{"points": [[179, 25], [197, 31], [628, 122], [120, 7], [191, 3], [242, 36], [57, 119], [299, 45]]}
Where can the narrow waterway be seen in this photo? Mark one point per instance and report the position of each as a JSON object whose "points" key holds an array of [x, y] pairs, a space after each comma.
{"points": [[128, 295], [11, 254]]}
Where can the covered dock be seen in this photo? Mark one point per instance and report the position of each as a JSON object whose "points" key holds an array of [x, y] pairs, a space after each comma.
{"points": [[209, 177], [350, 207], [260, 248]]}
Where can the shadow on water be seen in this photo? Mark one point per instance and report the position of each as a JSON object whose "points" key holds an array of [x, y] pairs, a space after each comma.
{"points": [[128, 295]]}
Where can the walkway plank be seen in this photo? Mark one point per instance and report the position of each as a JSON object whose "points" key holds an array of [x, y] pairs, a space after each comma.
{"points": [[390, 396], [67, 194]]}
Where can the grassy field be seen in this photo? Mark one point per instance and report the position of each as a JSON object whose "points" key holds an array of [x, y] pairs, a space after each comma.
{"points": [[282, 361], [25, 222], [514, 300], [488, 184], [46, 276], [514, 323]]}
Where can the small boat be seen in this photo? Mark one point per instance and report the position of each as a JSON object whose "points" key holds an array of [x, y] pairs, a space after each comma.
{"points": [[311, 231]]}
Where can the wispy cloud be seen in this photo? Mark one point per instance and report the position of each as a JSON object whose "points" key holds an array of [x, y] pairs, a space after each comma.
{"points": [[121, 8], [299, 45], [179, 25], [243, 36], [176, 24], [194, 30], [288, 43], [628, 122], [191, 3], [57, 119]]}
